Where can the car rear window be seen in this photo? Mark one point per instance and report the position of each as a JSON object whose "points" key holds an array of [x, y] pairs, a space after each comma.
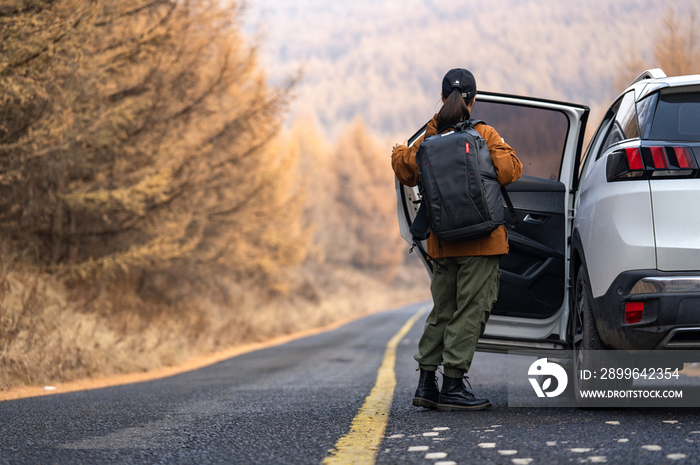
{"points": [[677, 117]]}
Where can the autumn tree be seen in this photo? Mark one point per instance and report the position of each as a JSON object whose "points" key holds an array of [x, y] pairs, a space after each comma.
{"points": [[135, 133], [350, 207], [365, 229], [676, 49]]}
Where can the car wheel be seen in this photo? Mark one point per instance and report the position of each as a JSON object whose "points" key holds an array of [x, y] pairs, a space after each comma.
{"points": [[584, 334], [589, 350]]}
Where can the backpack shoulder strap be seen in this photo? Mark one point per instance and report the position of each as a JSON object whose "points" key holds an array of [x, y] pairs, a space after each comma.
{"points": [[445, 128], [469, 124], [420, 228], [509, 203]]}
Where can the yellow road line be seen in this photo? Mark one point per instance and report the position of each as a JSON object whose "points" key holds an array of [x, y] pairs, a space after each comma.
{"points": [[367, 429]]}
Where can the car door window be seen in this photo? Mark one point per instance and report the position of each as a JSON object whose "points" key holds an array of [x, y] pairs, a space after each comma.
{"points": [[595, 146], [537, 135], [645, 114], [625, 125]]}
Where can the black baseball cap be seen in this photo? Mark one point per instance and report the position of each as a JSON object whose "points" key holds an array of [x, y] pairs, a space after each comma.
{"points": [[461, 79]]}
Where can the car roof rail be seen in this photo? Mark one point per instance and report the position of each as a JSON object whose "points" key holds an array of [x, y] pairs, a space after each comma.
{"points": [[655, 73]]}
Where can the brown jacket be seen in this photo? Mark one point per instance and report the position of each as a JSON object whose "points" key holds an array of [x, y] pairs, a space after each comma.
{"points": [[508, 169]]}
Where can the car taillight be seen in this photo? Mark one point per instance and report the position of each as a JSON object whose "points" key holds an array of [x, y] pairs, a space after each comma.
{"points": [[634, 311], [651, 162], [671, 162], [659, 158], [634, 158], [684, 158], [625, 164]]}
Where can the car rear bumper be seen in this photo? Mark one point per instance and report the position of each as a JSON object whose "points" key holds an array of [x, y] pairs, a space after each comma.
{"points": [[671, 312]]}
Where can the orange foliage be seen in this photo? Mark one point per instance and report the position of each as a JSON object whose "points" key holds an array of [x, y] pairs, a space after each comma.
{"points": [[135, 134], [676, 49], [351, 204], [367, 232]]}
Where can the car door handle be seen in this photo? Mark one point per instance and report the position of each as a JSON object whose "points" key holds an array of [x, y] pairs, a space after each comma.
{"points": [[539, 220]]}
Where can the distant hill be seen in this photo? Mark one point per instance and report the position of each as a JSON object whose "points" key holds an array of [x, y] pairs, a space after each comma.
{"points": [[384, 59]]}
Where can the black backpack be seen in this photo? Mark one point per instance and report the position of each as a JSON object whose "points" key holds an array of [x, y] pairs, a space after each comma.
{"points": [[461, 196]]}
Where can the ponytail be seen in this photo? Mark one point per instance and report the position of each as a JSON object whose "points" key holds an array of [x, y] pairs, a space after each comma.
{"points": [[453, 111]]}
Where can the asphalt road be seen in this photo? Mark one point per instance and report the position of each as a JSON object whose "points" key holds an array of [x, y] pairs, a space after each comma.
{"points": [[292, 403]]}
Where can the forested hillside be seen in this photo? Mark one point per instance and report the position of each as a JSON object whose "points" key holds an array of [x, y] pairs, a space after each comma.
{"points": [[383, 59]]}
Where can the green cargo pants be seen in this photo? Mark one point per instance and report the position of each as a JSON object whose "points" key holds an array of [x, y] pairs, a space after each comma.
{"points": [[463, 296]]}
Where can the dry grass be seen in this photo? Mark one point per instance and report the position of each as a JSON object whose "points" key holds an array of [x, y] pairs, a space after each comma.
{"points": [[46, 337], [51, 334]]}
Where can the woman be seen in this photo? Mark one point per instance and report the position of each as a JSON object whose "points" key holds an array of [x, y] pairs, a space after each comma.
{"points": [[465, 290]]}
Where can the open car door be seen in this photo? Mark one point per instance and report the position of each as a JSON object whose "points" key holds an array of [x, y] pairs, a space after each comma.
{"points": [[532, 308]]}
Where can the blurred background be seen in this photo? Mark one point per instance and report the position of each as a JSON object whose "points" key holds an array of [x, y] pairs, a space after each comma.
{"points": [[384, 60], [182, 176]]}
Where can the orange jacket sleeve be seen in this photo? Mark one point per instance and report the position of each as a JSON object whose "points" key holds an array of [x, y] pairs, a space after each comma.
{"points": [[508, 166], [403, 158]]}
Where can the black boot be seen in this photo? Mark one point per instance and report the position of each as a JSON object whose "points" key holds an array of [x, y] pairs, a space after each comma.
{"points": [[455, 396], [427, 393]]}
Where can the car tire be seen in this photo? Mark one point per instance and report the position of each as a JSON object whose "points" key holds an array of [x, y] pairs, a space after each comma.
{"points": [[583, 322], [589, 350]]}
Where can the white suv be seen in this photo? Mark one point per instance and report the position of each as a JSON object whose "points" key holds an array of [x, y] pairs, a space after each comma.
{"points": [[607, 250]]}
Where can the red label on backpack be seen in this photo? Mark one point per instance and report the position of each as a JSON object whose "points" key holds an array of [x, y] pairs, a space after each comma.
{"points": [[467, 146]]}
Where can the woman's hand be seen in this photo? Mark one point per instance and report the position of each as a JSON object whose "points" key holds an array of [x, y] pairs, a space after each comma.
{"points": [[397, 145]]}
